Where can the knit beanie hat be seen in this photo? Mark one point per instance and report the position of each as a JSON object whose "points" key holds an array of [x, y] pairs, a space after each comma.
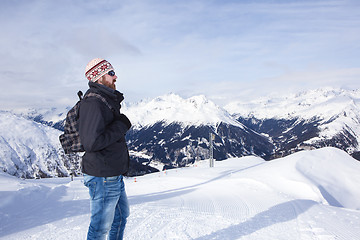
{"points": [[97, 68]]}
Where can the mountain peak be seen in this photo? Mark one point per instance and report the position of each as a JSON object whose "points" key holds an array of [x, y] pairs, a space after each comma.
{"points": [[169, 108]]}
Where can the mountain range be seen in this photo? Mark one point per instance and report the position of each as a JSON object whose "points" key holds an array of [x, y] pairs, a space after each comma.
{"points": [[305, 120], [170, 131]]}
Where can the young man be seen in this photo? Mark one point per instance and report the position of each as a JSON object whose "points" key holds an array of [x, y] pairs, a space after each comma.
{"points": [[102, 131]]}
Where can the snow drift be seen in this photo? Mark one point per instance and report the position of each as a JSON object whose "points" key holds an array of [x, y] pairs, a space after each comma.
{"points": [[326, 175]]}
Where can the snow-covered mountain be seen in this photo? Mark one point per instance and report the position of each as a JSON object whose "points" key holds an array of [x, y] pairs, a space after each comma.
{"points": [[30, 147], [170, 131], [30, 150], [309, 119], [171, 108], [53, 117], [175, 132]]}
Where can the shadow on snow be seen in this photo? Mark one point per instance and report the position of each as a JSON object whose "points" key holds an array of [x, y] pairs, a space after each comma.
{"points": [[37, 206], [280, 213]]}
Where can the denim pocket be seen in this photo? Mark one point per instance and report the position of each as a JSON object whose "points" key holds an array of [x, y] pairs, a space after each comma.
{"points": [[91, 184]]}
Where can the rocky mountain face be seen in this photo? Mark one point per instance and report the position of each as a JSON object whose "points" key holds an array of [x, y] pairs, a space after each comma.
{"points": [[177, 145], [170, 131]]}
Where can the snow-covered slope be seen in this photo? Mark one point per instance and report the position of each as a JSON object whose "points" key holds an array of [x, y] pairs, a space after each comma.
{"points": [[307, 195], [327, 175], [29, 149]]}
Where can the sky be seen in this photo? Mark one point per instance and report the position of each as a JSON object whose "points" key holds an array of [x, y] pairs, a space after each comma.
{"points": [[226, 50]]}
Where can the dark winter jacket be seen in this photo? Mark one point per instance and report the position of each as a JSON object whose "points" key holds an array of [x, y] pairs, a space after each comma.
{"points": [[102, 133]]}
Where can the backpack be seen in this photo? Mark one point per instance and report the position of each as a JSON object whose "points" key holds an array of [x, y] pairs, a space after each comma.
{"points": [[70, 139]]}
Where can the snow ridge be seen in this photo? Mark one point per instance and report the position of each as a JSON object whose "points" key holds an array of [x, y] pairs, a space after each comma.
{"points": [[323, 102]]}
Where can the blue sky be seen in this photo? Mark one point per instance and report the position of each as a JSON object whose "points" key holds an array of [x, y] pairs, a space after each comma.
{"points": [[226, 50]]}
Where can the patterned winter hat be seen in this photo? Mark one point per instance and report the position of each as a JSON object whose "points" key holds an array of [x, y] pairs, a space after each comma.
{"points": [[97, 68]]}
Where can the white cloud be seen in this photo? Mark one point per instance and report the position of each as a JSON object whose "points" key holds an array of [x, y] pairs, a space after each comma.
{"points": [[201, 47]]}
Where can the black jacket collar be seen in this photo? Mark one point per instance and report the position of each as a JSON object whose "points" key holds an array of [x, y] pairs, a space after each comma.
{"points": [[109, 92]]}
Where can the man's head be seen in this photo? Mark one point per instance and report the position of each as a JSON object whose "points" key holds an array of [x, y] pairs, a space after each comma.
{"points": [[101, 71]]}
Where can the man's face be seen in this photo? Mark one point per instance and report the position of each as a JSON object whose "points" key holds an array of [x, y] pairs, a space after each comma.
{"points": [[108, 81]]}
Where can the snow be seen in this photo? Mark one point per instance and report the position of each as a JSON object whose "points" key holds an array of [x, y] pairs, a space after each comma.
{"points": [[170, 108], [28, 148], [324, 103], [50, 115], [307, 195]]}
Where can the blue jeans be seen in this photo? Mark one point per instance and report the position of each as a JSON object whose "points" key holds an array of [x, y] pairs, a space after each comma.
{"points": [[109, 207]]}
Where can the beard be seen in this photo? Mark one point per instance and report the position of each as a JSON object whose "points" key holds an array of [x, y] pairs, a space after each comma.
{"points": [[107, 83]]}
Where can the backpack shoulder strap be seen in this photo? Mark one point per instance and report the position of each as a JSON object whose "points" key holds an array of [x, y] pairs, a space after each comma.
{"points": [[91, 94]]}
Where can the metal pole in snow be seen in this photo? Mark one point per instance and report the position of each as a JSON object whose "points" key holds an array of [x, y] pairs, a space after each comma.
{"points": [[212, 137]]}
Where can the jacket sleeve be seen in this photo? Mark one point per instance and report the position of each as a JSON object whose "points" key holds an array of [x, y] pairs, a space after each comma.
{"points": [[95, 135]]}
